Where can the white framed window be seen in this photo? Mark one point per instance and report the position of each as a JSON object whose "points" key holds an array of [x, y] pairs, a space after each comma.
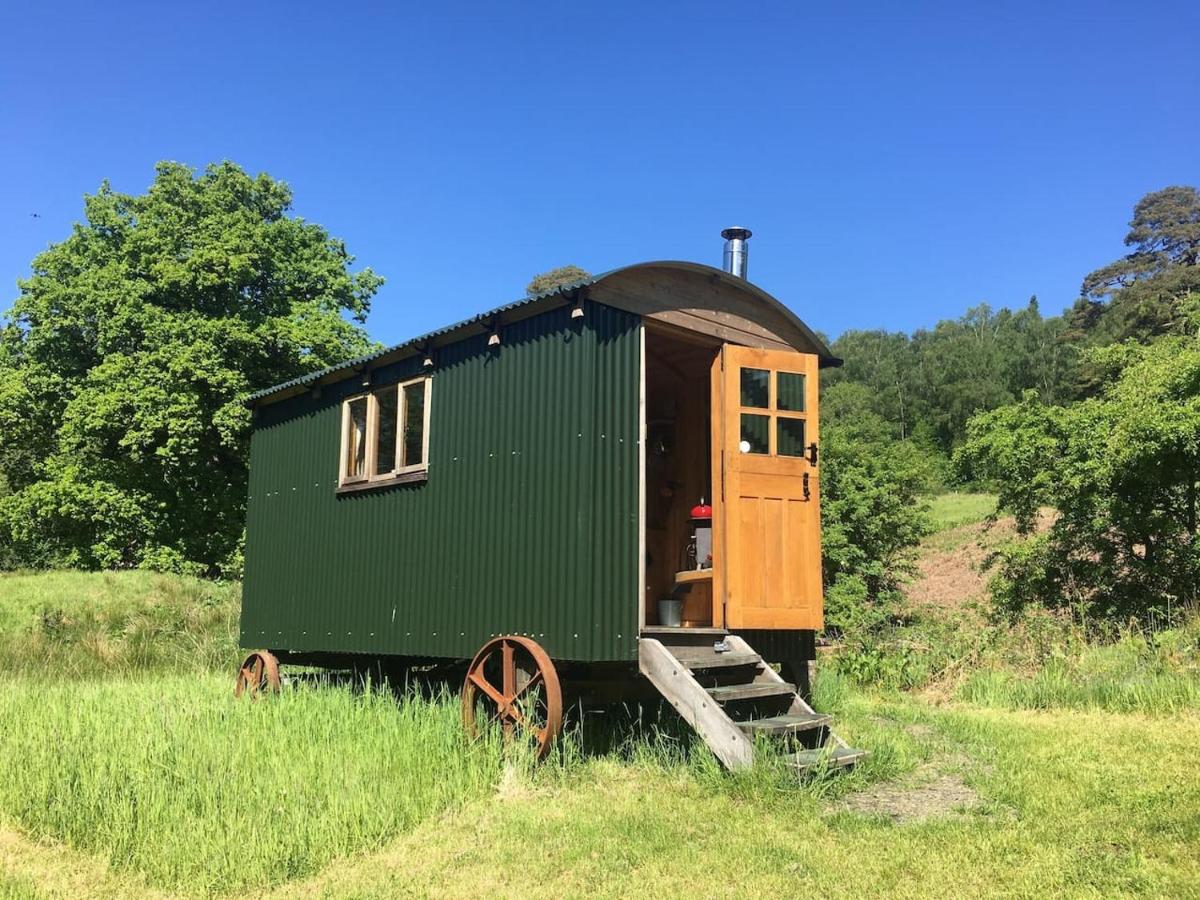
{"points": [[385, 434]]}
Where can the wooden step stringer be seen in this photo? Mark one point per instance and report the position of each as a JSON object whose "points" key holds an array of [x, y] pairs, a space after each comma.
{"points": [[674, 677]]}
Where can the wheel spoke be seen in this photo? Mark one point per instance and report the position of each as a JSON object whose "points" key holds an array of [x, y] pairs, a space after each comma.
{"points": [[510, 669], [477, 679], [529, 685]]}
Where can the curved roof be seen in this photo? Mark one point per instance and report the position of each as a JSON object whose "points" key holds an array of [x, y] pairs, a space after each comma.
{"points": [[683, 294]]}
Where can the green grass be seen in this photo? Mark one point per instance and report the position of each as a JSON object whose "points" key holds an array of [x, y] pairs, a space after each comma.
{"points": [[1156, 674], [91, 624], [171, 777], [18, 888], [126, 766], [955, 510], [1068, 805]]}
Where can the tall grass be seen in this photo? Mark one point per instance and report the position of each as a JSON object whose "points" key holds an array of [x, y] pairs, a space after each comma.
{"points": [[1155, 673], [90, 624], [954, 510], [173, 778]]}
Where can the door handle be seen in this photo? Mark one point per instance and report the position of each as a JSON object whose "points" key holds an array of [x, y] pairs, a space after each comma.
{"points": [[812, 453]]}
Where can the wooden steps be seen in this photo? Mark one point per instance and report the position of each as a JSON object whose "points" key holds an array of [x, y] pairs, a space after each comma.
{"points": [[832, 758], [786, 724], [724, 689], [695, 661], [727, 693], [668, 631]]}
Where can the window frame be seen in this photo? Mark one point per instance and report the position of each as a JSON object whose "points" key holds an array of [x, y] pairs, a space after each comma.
{"points": [[399, 474], [772, 413]]}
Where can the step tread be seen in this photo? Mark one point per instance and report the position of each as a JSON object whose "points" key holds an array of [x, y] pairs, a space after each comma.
{"points": [[717, 660], [727, 692], [834, 758], [786, 724], [670, 631]]}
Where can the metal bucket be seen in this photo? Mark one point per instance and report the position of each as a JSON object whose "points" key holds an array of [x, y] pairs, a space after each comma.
{"points": [[670, 612]]}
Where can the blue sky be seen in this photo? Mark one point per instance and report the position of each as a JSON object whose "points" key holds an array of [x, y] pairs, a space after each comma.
{"points": [[897, 163]]}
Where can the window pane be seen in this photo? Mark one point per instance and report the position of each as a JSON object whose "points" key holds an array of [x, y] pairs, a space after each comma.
{"points": [[755, 384], [414, 423], [754, 433], [789, 438], [385, 446], [789, 391], [356, 439]]}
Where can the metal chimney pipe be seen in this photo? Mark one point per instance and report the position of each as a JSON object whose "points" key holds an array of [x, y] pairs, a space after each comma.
{"points": [[737, 251]]}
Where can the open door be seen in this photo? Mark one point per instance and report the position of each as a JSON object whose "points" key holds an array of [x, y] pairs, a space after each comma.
{"points": [[767, 518]]}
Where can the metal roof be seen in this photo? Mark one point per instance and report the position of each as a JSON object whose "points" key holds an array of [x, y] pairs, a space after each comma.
{"points": [[423, 339], [563, 289]]}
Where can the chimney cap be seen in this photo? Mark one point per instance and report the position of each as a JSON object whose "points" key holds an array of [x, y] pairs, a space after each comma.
{"points": [[736, 232]]}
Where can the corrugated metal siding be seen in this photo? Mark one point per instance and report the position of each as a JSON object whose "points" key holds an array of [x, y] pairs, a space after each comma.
{"points": [[527, 524]]}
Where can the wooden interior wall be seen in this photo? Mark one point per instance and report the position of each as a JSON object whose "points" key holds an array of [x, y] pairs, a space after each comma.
{"points": [[678, 464]]}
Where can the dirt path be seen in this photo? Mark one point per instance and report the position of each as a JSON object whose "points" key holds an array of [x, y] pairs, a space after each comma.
{"points": [[949, 570]]}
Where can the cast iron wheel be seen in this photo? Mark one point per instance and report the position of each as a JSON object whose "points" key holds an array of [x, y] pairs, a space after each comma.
{"points": [[258, 674], [512, 681]]}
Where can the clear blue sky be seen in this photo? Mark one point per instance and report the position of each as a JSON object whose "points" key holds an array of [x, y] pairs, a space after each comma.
{"points": [[896, 167]]}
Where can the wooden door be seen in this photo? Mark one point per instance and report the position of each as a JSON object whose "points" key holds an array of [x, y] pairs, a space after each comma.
{"points": [[767, 515]]}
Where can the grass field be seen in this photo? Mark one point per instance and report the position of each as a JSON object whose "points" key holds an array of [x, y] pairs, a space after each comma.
{"points": [[955, 509], [128, 769]]}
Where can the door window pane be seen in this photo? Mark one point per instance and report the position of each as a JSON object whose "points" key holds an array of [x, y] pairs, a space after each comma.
{"points": [[789, 438], [789, 391], [755, 387], [755, 431], [385, 447], [414, 423], [356, 439]]}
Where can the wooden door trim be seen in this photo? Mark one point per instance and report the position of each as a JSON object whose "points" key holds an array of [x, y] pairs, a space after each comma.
{"points": [[762, 482]]}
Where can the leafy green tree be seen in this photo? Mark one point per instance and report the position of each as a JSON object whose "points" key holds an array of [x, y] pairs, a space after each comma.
{"points": [[547, 281], [885, 362], [1119, 469], [872, 517], [1147, 288], [127, 357], [928, 385]]}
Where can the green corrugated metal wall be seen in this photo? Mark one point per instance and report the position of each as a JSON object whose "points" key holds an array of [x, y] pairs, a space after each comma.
{"points": [[527, 524]]}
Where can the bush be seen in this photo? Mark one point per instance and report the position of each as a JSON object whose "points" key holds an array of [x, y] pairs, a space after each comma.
{"points": [[872, 514], [1119, 469]]}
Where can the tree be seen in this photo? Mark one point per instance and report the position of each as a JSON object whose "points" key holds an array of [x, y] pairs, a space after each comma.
{"points": [[126, 359], [1121, 471], [928, 385], [548, 281], [871, 514], [1146, 288]]}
